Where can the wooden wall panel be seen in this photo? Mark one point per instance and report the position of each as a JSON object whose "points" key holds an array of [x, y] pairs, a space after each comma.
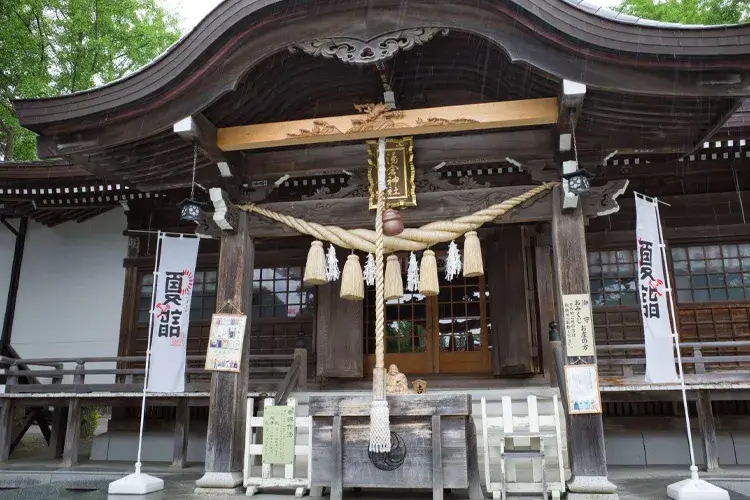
{"points": [[509, 307], [339, 334]]}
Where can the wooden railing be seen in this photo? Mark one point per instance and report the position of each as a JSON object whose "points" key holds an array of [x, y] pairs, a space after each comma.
{"points": [[127, 379], [68, 387], [692, 355]]}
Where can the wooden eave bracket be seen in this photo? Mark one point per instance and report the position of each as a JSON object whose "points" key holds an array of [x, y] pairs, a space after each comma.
{"points": [[226, 215], [571, 99], [197, 129]]}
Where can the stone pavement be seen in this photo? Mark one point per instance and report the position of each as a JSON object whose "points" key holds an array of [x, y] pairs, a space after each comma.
{"points": [[633, 484]]}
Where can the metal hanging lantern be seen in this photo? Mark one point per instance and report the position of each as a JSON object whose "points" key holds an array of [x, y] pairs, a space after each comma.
{"points": [[191, 210], [579, 182]]}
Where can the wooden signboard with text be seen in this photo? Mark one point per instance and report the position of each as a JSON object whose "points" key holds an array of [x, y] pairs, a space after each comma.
{"points": [[279, 434], [578, 325]]}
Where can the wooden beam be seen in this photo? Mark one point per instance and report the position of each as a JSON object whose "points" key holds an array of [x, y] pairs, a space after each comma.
{"points": [[199, 130], [380, 122], [351, 213], [585, 433], [525, 146], [674, 235]]}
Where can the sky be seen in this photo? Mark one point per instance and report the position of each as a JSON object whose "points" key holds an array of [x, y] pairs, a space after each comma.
{"points": [[192, 11]]}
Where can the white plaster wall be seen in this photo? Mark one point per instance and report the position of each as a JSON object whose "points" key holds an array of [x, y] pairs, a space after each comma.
{"points": [[70, 295]]}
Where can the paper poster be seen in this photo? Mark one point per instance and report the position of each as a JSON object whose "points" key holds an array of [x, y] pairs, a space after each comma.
{"points": [[278, 435], [582, 385], [169, 328], [225, 342], [578, 325]]}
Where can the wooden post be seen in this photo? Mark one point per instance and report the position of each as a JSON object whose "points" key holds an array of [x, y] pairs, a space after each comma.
{"points": [[181, 433], [337, 465], [302, 377], [72, 434], [228, 405], [707, 427], [545, 289], [585, 432], [472, 461], [6, 429], [437, 459]]}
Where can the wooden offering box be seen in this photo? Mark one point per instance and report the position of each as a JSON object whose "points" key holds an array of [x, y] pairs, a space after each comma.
{"points": [[436, 431]]}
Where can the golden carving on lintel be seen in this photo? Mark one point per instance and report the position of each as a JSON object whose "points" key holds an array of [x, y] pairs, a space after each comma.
{"points": [[399, 172], [374, 117]]}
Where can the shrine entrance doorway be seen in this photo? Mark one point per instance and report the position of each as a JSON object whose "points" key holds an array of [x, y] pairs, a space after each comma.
{"points": [[446, 334]]}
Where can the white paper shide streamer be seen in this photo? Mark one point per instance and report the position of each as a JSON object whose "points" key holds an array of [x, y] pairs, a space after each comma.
{"points": [[412, 274], [369, 271], [453, 262], [332, 265]]}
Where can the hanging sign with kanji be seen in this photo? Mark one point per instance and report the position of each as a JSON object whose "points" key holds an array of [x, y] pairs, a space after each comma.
{"points": [[578, 325], [399, 172], [279, 434]]}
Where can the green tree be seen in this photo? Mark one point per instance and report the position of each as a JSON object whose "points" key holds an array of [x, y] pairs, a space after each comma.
{"points": [[706, 12], [56, 47]]}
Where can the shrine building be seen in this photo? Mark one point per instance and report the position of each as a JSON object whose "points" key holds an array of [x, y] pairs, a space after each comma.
{"points": [[279, 105]]}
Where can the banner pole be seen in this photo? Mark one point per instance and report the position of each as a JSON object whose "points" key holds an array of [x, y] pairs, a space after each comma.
{"points": [[675, 334], [141, 484], [694, 487], [148, 349]]}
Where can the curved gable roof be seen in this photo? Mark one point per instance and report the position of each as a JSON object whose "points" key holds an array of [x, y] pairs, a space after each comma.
{"points": [[568, 30]]}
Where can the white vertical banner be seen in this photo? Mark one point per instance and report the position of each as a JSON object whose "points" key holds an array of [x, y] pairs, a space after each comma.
{"points": [[652, 293], [174, 290]]}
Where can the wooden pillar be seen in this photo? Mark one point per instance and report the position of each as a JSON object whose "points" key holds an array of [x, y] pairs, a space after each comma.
{"points": [[545, 290], [72, 434], [228, 405], [181, 434], [6, 428], [585, 433], [707, 427]]}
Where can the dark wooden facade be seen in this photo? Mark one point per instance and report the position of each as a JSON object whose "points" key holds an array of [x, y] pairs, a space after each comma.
{"points": [[651, 102]]}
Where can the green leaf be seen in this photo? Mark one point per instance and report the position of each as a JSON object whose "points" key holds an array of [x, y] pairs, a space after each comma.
{"points": [[56, 47]]}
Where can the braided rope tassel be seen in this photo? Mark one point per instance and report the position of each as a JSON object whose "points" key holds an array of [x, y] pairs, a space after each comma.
{"points": [[380, 425]]}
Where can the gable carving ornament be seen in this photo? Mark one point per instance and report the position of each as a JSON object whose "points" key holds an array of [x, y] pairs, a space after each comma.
{"points": [[381, 48]]}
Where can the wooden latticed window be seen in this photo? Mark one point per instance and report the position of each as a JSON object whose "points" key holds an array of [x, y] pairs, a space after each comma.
{"points": [[712, 273], [405, 323], [613, 281], [612, 277], [280, 293], [282, 308], [460, 314]]}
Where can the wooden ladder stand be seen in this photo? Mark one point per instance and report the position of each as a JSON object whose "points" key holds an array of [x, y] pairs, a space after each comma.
{"points": [[523, 438]]}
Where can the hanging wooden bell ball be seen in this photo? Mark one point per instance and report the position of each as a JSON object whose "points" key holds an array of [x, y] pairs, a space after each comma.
{"points": [[392, 223]]}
